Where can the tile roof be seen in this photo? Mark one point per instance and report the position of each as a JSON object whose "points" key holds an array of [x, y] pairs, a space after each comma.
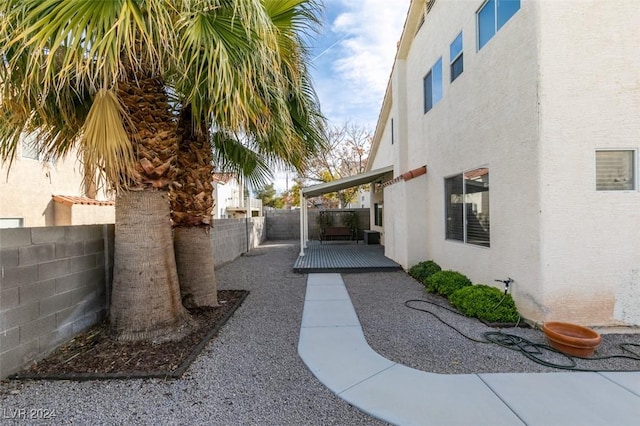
{"points": [[70, 200], [223, 177]]}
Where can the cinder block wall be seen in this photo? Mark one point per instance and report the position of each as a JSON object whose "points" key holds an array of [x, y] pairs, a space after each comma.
{"points": [[232, 237], [53, 283], [285, 224]]}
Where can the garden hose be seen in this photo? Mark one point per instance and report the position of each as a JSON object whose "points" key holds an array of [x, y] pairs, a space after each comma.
{"points": [[531, 350]]}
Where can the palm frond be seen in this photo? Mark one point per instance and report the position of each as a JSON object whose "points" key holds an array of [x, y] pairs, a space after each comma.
{"points": [[231, 155], [226, 58], [86, 42], [104, 145]]}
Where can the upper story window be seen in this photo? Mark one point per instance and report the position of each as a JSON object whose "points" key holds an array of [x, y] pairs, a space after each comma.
{"points": [[492, 16], [29, 149], [433, 86], [392, 133], [615, 170], [455, 57]]}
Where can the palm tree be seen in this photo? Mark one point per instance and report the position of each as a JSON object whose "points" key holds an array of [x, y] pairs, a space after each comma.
{"points": [[292, 135], [102, 75]]}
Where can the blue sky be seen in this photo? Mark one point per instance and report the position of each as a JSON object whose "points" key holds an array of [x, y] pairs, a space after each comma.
{"points": [[352, 57]]}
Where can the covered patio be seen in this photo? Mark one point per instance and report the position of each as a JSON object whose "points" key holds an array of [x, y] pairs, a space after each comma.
{"points": [[340, 256]]}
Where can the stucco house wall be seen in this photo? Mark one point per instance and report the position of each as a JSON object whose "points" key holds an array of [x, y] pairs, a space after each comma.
{"points": [[530, 108], [229, 199], [27, 188], [590, 99]]}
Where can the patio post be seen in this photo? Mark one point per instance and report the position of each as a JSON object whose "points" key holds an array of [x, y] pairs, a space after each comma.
{"points": [[306, 223], [303, 208]]}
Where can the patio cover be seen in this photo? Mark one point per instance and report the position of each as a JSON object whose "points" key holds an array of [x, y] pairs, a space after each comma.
{"points": [[348, 182], [326, 188]]}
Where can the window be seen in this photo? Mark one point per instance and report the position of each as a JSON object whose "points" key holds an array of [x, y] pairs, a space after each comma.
{"points": [[455, 57], [492, 16], [11, 222], [392, 133], [467, 207], [615, 170], [29, 150], [377, 210], [433, 86]]}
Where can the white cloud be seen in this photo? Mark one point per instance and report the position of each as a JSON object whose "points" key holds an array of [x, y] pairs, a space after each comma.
{"points": [[352, 86]]}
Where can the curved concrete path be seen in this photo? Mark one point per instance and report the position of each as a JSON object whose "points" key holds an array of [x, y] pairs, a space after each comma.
{"points": [[333, 347]]}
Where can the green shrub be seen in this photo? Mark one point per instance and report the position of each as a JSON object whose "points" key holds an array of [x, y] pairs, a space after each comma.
{"points": [[446, 282], [485, 302], [424, 270]]}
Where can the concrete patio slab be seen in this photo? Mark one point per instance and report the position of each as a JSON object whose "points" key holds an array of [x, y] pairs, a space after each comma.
{"points": [[566, 398], [333, 347], [339, 356], [404, 396], [628, 380], [327, 292], [324, 279], [329, 313]]}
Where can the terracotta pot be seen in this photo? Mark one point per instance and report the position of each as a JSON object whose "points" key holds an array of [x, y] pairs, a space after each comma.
{"points": [[571, 339]]}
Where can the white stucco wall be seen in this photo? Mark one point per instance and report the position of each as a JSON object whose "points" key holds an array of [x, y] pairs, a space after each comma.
{"points": [[554, 84], [89, 214], [590, 99], [384, 156], [27, 188], [487, 117], [226, 195]]}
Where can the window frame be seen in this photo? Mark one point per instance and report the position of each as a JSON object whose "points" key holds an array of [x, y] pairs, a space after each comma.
{"points": [[393, 139], [28, 150], [377, 214], [497, 24], [6, 220], [429, 94], [454, 58], [634, 169], [454, 233]]}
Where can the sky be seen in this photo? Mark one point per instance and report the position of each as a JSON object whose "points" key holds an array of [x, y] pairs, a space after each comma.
{"points": [[351, 60], [353, 55]]}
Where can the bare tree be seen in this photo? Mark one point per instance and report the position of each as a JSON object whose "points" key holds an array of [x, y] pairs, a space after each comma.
{"points": [[346, 155]]}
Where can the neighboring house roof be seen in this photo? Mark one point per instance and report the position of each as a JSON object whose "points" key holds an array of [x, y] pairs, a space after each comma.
{"points": [[70, 200], [222, 177]]}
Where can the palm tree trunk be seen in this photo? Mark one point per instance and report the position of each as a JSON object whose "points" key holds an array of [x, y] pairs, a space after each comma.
{"points": [[191, 206], [194, 258], [145, 301]]}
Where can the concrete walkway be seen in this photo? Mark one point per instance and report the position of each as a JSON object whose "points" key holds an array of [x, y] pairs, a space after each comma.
{"points": [[333, 347]]}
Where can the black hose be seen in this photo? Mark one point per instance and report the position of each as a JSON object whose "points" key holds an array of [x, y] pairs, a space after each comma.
{"points": [[533, 351]]}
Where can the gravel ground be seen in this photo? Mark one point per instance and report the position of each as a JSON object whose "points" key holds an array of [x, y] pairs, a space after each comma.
{"points": [[421, 341], [251, 373]]}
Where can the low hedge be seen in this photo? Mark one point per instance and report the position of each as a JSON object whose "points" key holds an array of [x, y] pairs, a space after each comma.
{"points": [[424, 270], [486, 303], [446, 282]]}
